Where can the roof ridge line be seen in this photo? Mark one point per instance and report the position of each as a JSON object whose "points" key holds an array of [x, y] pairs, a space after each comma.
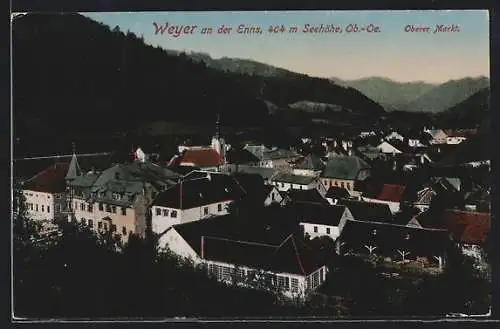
{"points": [[298, 256], [241, 241]]}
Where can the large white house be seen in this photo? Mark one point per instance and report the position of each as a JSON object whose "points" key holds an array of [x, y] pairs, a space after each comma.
{"points": [[194, 199], [284, 264], [44, 193]]}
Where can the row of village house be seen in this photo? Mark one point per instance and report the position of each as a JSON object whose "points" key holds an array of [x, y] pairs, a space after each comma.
{"points": [[190, 210]]}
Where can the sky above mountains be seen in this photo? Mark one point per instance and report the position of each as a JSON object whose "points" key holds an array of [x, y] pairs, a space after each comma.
{"points": [[392, 53]]}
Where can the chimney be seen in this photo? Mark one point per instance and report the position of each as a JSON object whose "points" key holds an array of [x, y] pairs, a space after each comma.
{"points": [[202, 247]]}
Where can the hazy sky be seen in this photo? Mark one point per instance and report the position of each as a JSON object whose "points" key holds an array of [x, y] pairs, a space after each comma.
{"points": [[391, 53]]}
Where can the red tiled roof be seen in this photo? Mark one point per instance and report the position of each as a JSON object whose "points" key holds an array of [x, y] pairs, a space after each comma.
{"points": [[391, 192], [50, 180], [203, 157], [467, 227]]}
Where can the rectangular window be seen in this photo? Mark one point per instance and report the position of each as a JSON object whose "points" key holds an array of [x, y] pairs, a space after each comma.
{"points": [[48, 209], [211, 270], [283, 282], [124, 230], [272, 196], [315, 229], [173, 214], [342, 184], [315, 280], [226, 273], [295, 285], [91, 223], [99, 225], [240, 273], [321, 273], [113, 228], [90, 207], [82, 206], [219, 207], [31, 206], [113, 209], [108, 208], [348, 186], [101, 207], [165, 212], [124, 211], [105, 226], [43, 208], [327, 230], [158, 211], [205, 211]]}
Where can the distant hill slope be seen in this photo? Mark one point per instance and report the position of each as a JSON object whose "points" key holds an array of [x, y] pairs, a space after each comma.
{"points": [[468, 113], [239, 65], [74, 75], [390, 94], [447, 95]]}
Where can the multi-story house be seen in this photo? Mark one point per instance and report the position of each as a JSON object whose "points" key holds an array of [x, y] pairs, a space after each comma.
{"points": [[194, 199], [344, 171], [45, 193], [118, 199]]}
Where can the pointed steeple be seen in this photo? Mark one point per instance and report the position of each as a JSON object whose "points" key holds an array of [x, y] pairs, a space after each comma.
{"points": [[74, 169]]}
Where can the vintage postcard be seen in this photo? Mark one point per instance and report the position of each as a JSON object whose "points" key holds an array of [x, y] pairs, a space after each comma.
{"points": [[251, 165]]}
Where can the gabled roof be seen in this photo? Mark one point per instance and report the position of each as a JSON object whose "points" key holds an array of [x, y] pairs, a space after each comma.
{"points": [[241, 156], [336, 192], [290, 256], [50, 180], [294, 179], [310, 162], [198, 192], [368, 211], [315, 213], [465, 227], [389, 238], [202, 157], [257, 150], [268, 246], [344, 167], [391, 192], [253, 185], [306, 196]]}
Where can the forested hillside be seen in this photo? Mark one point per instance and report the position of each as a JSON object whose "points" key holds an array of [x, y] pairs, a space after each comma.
{"points": [[74, 76]]}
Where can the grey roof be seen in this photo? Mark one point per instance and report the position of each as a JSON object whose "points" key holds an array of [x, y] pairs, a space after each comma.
{"points": [[257, 150], [279, 154], [310, 162], [266, 173], [344, 167], [126, 180], [294, 179]]}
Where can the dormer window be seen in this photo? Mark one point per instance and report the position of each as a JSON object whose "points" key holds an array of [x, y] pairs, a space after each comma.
{"points": [[407, 236], [117, 196]]}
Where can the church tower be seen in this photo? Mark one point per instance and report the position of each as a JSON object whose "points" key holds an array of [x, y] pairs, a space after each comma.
{"points": [[218, 142]]}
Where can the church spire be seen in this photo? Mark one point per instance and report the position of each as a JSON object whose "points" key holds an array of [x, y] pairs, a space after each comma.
{"points": [[74, 168]]}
